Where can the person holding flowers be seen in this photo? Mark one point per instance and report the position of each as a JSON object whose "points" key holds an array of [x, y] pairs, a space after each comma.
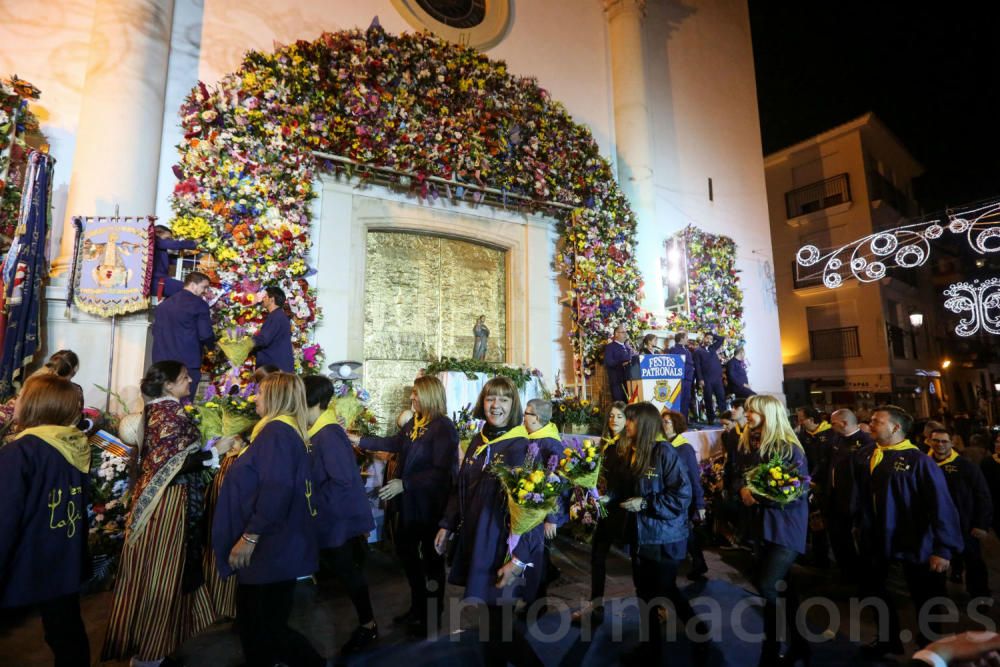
{"points": [[611, 527], [264, 528], [344, 514], [416, 497], [273, 343], [658, 502], [159, 599], [674, 426], [779, 525], [44, 490], [496, 565]]}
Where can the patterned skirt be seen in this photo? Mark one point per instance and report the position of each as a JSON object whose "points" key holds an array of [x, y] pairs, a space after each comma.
{"points": [[150, 616], [222, 592]]}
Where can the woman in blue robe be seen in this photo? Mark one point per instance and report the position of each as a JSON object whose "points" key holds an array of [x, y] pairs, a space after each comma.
{"points": [[478, 519]]}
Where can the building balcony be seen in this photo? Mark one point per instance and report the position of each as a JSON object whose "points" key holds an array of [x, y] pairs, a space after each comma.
{"points": [[881, 191], [839, 343], [818, 196]]}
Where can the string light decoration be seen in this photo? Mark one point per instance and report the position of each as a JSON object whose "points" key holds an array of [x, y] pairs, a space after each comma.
{"points": [[981, 300], [868, 259]]}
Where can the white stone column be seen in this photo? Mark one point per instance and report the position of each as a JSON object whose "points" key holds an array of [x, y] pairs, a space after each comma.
{"points": [[117, 151], [633, 139]]}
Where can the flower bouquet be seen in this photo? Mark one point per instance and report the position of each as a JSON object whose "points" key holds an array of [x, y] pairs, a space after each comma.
{"points": [[107, 512], [236, 345], [581, 463], [585, 510], [578, 411], [350, 404], [777, 482], [208, 416], [532, 492], [467, 426]]}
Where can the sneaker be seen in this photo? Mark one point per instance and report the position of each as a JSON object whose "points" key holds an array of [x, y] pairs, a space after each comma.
{"points": [[360, 638]]}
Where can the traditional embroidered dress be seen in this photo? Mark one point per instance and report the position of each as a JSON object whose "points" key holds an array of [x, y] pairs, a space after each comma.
{"points": [[159, 600], [222, 592]]}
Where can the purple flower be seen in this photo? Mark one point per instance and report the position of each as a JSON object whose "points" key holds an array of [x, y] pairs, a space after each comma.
{"points": [[536, 497], [532, 451], [210, 392], [553, 462]]}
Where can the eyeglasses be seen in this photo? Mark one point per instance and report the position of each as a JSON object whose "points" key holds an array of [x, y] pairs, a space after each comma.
{"points": [[530, 414]]}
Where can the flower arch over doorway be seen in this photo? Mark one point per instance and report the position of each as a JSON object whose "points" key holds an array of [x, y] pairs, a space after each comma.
{"points": [[411, 103]]}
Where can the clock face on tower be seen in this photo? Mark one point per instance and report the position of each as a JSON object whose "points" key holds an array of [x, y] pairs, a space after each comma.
{"points": [[479, 24]]}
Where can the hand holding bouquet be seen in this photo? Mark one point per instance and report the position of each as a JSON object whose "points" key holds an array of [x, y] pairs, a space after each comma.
{"points": [[532, 492], [581, 463], [777, 481]]}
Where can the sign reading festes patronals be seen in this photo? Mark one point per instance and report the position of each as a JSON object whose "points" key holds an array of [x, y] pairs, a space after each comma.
{"points": [[659, 380]]}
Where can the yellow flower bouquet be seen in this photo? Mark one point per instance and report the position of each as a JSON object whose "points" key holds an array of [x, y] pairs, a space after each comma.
{"points": [[532, 492]]}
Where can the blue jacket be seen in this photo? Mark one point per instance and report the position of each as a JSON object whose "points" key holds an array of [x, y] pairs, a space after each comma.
{"points": [[428, 467], [706, 359], [274, 342], [667, 492], [785, 526], [43, 525], [342, 507], [616, 356], [161, 254], [693, 471], [903, 508], [182, 325], [736, 371], [689, 369], [840, 480], [971, 496], [268, 491]]}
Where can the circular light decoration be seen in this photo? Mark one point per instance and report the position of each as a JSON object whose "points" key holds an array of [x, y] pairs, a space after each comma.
{"points": [[832, 280], [959, 225], [984, 238], [807, 255], [834, 264], [875, 271], [858, 264], [479, 24], [910, 256], [934, 232], [884, 244]]}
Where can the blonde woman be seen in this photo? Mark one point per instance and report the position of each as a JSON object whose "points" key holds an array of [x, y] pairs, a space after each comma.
{"points": [[263, 526], [779, 532], [427, 463]]}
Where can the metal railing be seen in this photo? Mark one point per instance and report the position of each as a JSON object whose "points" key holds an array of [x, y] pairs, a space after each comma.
{"points": [[840, 343], [817, 196]]}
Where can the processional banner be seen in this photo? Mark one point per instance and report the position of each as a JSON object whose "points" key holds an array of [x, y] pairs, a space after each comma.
{"points": [[112, 265]]}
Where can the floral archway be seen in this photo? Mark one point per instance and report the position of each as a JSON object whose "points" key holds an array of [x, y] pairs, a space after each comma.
{"points": [[411, 103]]}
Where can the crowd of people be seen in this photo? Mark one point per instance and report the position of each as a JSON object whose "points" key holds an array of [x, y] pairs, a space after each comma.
{"points": [[199, 549]]}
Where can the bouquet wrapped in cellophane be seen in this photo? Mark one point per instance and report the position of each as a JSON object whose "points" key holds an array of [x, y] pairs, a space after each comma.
{"points": [[236, 345], [585, 510], [467, 426], [230, 410], [532, 492], [581, 463], [777, 481]]}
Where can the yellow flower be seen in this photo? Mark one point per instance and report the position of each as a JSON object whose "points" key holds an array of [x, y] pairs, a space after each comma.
{"points": [[568, 451], [537, 476], [521, 495], [528, 486], [562, 408], [773, 483], [584, 402]]}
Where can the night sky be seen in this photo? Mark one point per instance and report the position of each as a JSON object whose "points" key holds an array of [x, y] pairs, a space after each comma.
{"points": [[932, 74]]}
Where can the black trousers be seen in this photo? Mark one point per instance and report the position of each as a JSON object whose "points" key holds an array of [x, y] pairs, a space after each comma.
{"points": [[977, 581], [694, 548], [348, 564], [656, 579], [922, 584], [64, 631], [506, 642], [423, 566], [262, 612], [774, 564], [841, 535], [714, 390]]}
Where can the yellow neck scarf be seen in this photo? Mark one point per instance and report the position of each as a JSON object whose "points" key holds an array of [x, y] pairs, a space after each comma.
{"points": [[951, 457], [612, 441], [550, 430], [327, 417], [419, 426], [284, 419], [739, 429], [880, 451], [680, 440], [516, 432], [69, 441], [824, 426]]}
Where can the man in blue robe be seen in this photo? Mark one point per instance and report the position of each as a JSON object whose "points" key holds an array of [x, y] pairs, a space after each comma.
{"points": [[905, 515], [164, 285], [273, 343], [710, 371], [617, 357], [680, 349], [182, 326]]}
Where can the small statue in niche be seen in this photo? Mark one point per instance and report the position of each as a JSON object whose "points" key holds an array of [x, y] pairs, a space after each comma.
{"points": [[482, 335]]}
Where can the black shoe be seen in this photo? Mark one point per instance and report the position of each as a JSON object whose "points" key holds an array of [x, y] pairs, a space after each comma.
{"points": [[404, 618], [878, 649], [360, 638]]}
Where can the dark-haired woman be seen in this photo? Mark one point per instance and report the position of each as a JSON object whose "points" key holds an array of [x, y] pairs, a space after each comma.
{"points": [[426, 465], [478, 518], [63, 364], [611, 528], [779, 532], [264, 530], [159, 600], [658, 505], [343, 513], [43, 525], [674, 426]]}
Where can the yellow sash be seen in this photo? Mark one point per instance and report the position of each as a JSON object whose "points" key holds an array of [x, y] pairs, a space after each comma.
{"points": [[739, 429], [951, 457], [327, 417], [69, 441], [824, 426], [550, 430], [419, 426], [610, 442], [284, 419], [680, 440], [880, 452], [516, 432]]}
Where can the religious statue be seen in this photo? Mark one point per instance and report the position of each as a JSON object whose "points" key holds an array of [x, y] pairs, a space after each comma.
{"points": [[482, 335]]}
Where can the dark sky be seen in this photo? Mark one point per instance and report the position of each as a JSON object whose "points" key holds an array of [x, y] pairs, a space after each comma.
{"points": [[932, 74]]}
